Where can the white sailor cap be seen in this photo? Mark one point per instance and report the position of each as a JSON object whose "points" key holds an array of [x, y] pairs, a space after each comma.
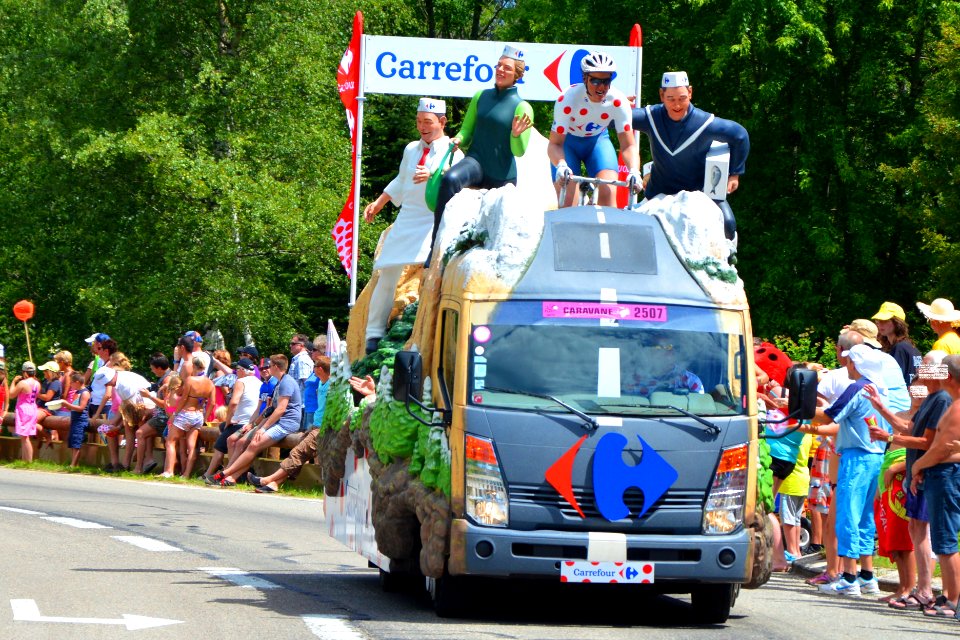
{"points": [[509, 51], [432, 105], [674, 79]]}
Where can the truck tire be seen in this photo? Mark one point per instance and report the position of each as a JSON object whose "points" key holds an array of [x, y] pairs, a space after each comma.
{"points": [[712, 602], [450, 595], [393, 582]]}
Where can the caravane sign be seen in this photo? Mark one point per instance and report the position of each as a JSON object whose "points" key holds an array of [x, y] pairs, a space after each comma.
{"points": [[460, 68]]}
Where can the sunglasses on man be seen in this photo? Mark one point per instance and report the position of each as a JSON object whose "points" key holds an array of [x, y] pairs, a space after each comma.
{"points": [[600, 82]]}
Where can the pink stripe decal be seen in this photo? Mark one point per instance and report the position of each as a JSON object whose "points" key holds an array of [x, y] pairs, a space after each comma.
{"points": [[642, 312]]}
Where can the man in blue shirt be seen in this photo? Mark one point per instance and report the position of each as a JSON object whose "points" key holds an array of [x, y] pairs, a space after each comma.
{"points": [[304, 452], [283, 420], [680, 136]]}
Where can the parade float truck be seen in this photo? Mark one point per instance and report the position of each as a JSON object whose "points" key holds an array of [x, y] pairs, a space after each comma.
{"points": [[574, 401]]}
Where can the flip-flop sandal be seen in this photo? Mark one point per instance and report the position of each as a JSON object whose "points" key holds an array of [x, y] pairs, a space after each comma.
{"points": [[890, 598], [265, 488], [913, 602], [942, 608]]}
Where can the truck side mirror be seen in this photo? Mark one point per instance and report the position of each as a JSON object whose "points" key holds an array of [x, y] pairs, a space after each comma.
{"points": [[802, 384], [408, 386], [407, 375]]}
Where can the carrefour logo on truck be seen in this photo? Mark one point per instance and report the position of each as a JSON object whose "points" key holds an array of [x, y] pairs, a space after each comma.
{"points": [[612, 476]]}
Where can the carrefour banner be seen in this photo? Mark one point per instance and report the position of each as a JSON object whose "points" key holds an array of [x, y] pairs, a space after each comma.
{"points": [[459, 68]]}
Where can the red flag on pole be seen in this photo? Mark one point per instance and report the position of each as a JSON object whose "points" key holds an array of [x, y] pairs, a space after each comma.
{"points": [[348, 84], [636, 40]]}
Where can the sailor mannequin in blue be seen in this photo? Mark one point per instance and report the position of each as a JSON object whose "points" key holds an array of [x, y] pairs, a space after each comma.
{"points": [[680, 137]]}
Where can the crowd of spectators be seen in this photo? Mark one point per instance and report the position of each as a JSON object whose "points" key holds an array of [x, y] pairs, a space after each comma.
{"points": [[254, 402], [877, 471]]}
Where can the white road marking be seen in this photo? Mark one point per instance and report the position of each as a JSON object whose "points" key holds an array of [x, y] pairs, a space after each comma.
{"points": [[146, 543], [601, 218], [25, 512], [239, 577], [332, 628], [27, 611], [73, 522], [605, 246], [608, 295]]}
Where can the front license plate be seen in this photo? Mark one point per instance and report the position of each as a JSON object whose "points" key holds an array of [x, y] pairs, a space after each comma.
{"points": [[606, 572]]}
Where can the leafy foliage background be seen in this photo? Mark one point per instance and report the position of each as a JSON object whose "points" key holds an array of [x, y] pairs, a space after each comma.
{"points": [[164, 166]]}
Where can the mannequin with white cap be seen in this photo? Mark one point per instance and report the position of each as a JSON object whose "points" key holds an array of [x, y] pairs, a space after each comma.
{"points": [[680, 137], [495, 130], [408, 241]]}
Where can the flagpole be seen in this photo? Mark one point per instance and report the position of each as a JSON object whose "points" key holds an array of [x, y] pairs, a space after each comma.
{"points": [[639, 46], [361, 98], [356, 194]]}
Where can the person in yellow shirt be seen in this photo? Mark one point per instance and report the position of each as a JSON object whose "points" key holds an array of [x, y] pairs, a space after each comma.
{"points": [[943, 318]]}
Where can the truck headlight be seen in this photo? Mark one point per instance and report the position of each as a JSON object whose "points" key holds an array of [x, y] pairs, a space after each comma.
{"points": [[486, 492], [723, 512]]}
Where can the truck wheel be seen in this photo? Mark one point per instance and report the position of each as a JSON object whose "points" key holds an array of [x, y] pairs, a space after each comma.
{"points": [[451, 595], [712, 602], [394, 582]]}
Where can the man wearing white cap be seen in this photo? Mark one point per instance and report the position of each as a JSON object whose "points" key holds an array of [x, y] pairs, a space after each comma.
{"points": [[942, 317], [94, 342], [680, 137], [495, 130], [408, 241]]}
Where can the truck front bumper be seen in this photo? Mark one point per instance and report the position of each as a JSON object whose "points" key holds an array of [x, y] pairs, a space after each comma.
{"points": [[493, 552]]}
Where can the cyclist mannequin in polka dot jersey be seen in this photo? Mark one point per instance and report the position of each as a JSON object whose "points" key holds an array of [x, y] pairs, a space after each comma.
{"points": [[579, 132]]}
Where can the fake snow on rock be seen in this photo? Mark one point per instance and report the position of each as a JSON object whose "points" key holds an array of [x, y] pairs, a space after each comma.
{"points": [[694, 226], [502, 226], [512, 231]]}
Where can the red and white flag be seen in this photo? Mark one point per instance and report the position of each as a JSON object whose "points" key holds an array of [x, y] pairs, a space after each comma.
{"points": [[348, 84]]}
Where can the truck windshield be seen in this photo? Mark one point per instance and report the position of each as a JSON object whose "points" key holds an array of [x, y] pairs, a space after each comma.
{"points": [[602, 358]]}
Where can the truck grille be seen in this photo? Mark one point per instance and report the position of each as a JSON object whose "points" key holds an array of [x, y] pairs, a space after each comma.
{"points": [[546, 496]]}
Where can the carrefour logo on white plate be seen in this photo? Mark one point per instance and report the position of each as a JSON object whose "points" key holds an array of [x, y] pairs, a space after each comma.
{"points": [[459, 68]]}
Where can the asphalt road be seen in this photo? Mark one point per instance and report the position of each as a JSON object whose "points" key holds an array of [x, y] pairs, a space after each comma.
{"points": [[78, 553]]}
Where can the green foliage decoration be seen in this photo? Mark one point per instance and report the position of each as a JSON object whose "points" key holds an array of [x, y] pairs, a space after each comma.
{"points": [[764, 477], [390, 344], [339, 405]]}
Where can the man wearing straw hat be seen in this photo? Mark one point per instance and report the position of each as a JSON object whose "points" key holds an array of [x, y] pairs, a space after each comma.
{"points": [[942, 318], [408, 241]]}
